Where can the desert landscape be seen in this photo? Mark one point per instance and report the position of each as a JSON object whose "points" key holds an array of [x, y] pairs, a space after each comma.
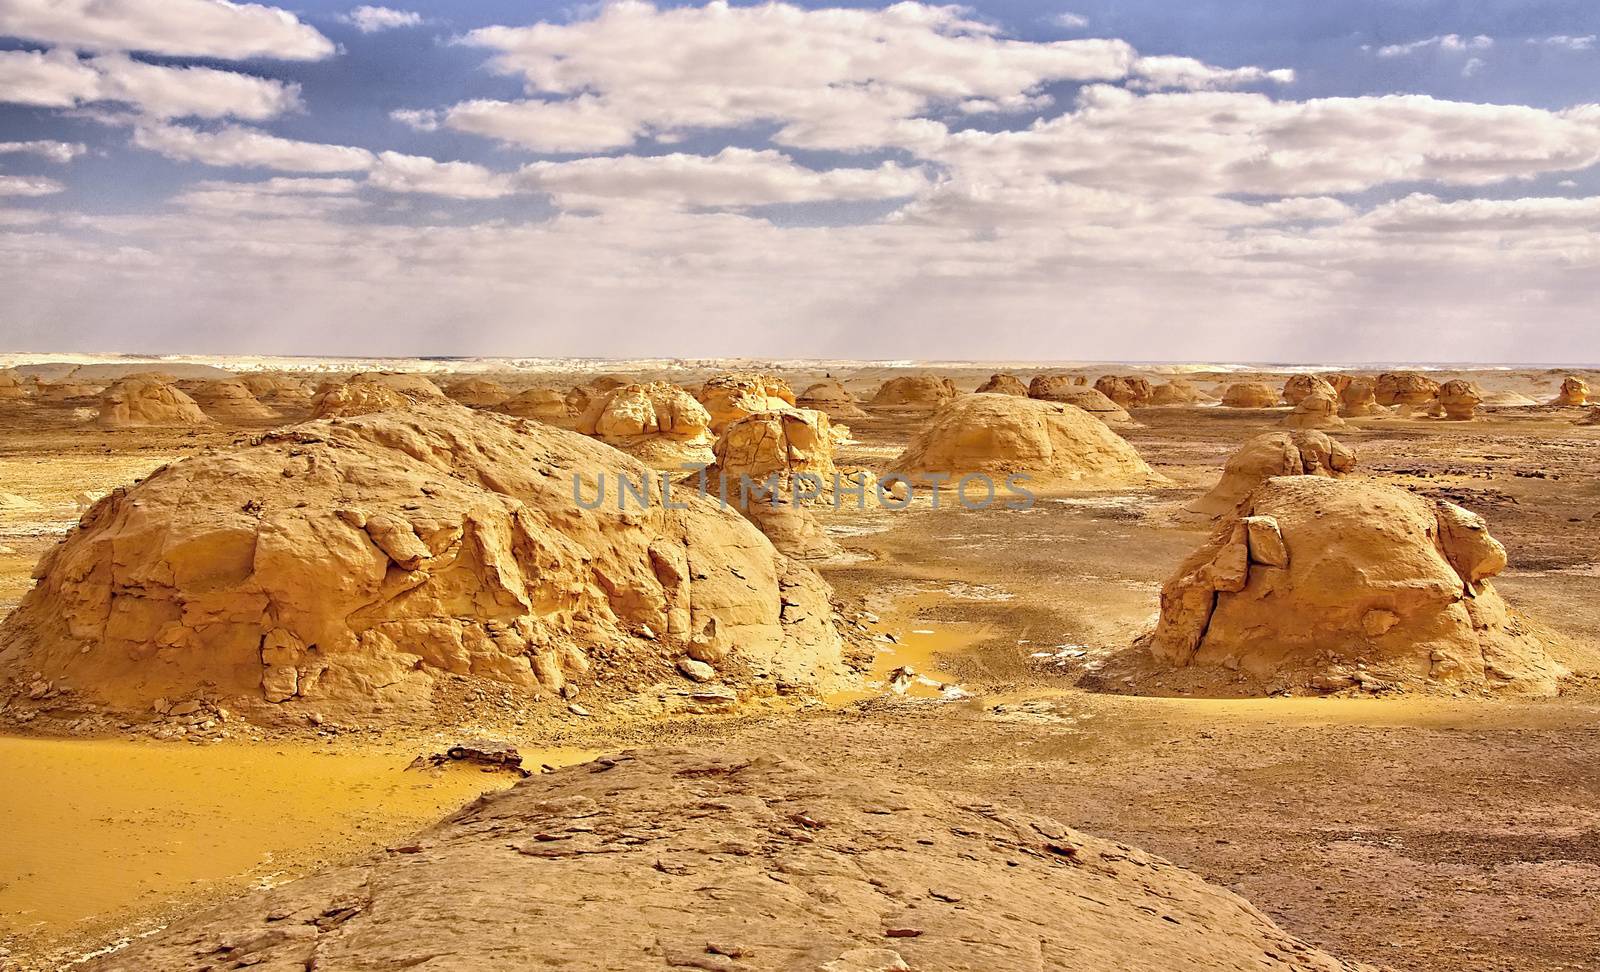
{"points": [[1317, 669]]}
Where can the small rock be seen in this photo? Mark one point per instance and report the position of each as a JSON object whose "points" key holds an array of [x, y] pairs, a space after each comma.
{"points": [[698, 671], [184, 708], [578, 710]]}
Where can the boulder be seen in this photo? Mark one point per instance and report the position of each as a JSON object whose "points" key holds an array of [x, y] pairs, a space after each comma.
{"points": [[376, 391], [658, 423], [1460, 400], [1318, 410], [144, 402], [278, 391], [227, 401], [383, 568], [1299, 386], [1574, 391], [1128, 391], [11, 387], [65, 392], [1307, 453], [1317, 583], [1358, 399], [829, 395], [662, 859], [1406, 389], [787, 457], [1250, 394], [544, 404], [996, 435], [1059, 388], [915, 391], [1178, 391], [478, 392], [730, 397], [1004, 384]]}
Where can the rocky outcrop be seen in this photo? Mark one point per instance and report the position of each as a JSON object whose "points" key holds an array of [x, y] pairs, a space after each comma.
{"points": [[915, 391], [1129, 391], [1322, 584], [1060, 388], [829, 395], [147, 402], [993, 436], [1298, 387], [1574, 391], [1358, 399], [658, 423], [1460, 400], [367, 568], [1004, 384], [730, 397], [75, 392], [377, 391], [773, 466], [1318, 410], [1178, 391], [1408, 390], [478, 392], [278, 391], [1306, 453], [544, 404], [11, 387], [671, 859], [227, 401], [1250, 394]]}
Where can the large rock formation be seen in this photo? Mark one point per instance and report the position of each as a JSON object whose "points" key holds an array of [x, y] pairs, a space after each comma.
{"points": [[376, 391], [1129, 391], [1298, 387], [11, 387], [355, 567], [544, 404], [915, 391], [227, 401], [139, 401], [1004, 384], [730, 397], [1358, 399], [1060, 388], [1407, 389], [478, 392], [1327, 584], [1507, 399], [76, 392], [787, 457], [1306, 453], [669, 859], [1318, 410], [1250, 394], [278, 391], [1460, 400], [1178, 391], [1052, 443], [659, 423], [1574, 391], [829, 395]]}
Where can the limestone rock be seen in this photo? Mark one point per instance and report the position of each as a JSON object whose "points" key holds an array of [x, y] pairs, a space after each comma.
{"points": [[1060, 388], [478, 392], [377, 391], [1460, 400], [1298, 387], [68, 392], [915, 391], [730, 397], [670, 859], [1178, 391], [354, 565], [1574, 391], [11, 387], [1358, 399], [1406, 389], [1128, 391], [278, 391], [139, 401], [830, 395], [1378, 581], [1305, 453], [1250, 394], [658, 423], [996, 435], [1004, 384], [1318, 410], [227, 401], [1507, 399], [787, 456], [544, 404]]}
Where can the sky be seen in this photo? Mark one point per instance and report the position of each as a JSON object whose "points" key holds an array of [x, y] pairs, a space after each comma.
{"points": [[1225, 180]]}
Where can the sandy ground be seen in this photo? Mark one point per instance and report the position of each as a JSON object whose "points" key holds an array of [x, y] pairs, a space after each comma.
{"points": [[1433, 834]]}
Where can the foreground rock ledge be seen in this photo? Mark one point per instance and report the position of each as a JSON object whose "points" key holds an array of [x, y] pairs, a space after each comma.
{"points": [[662, 860]]}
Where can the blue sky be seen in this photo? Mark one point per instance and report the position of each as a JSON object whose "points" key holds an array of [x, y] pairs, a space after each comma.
{"points": [[1097, 179]]}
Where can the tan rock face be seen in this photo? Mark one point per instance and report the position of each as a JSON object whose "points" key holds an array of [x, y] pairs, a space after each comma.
{"points": [[1307, 453], [478, 392], [1299, 386], [138, 401], [348, 567], [1574, 391], [571, 841], [1178, 391], [1406, 388], [997, 435], [375, 391], [1250, 394], [1358, 399], [659, 423], [1004, 384], [1059, 388], [227, 401], [730, 397], [545, 404], [1323, 583], [1318, 410], [1460, 400], [61, 392], [776, 451], [1126, 390], [278, 391], [915, 391], [11, 387], [829, 395]]}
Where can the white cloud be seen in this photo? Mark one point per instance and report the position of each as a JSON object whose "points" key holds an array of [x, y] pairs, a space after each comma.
{"points": [[1443, 42], [1566, 42], [1186, 73], [1298, 209], [1071, 21], [395, 172], [55, 79], [185, 28], [250, 148], [60, 79], [421, 119], [733, 178], [370, 20], [1422, 213], [61, 152], [1473, 66], [15, 185], [279, 197]]}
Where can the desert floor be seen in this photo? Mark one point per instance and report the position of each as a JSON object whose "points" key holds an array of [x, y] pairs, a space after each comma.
{"points": [[1418, 833]]}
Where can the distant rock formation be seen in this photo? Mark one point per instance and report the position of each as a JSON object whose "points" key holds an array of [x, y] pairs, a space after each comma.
{"points": [[544, 404], [227, 401], [1299, 386], [659, 423], [915, 391], [1178, 391], [1318, 410], [148, 402], [1250, 394], [1574, 391], [786, 455], [375, 391], [1306, 453], [1359, 399], [1460, 400], [1060, 388], [1408, 390], [829, 395], [1129, 391], [730, 397], [478, 392], [1004, 384]]}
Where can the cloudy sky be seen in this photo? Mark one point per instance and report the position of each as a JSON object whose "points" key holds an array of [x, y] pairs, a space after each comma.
{"points": [[1256, 180]]}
